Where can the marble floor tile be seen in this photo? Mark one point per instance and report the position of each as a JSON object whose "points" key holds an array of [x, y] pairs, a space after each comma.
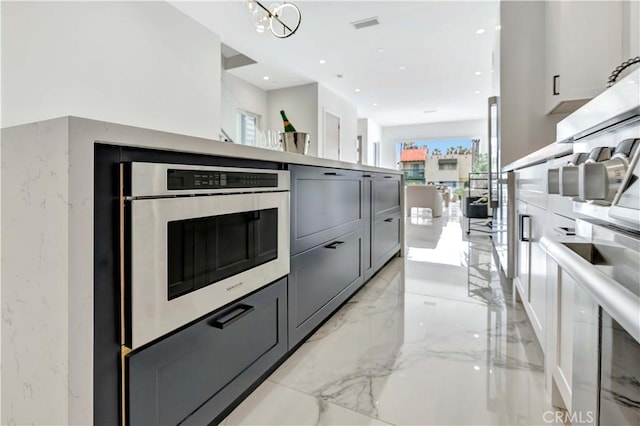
{"points": [[435, 338], [273, 404]]}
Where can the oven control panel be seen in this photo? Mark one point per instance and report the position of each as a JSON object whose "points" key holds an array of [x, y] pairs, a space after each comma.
{"points": [[149, 180], [180, 179]]}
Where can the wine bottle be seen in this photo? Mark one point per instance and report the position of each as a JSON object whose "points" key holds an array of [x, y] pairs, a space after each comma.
{"points": [[288, 127]]}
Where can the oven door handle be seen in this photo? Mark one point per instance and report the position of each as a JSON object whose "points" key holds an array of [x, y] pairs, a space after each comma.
{"points": [[613, 297], [230, 317]]}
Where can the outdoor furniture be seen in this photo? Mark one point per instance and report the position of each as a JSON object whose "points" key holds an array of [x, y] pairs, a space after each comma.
{"points": [[423, 196]]}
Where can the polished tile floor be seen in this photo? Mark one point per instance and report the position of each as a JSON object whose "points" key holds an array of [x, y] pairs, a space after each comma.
{"points": [[433, 339]]}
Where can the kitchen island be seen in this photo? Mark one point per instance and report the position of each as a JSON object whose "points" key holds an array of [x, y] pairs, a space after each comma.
{"points": [[62, 271]]}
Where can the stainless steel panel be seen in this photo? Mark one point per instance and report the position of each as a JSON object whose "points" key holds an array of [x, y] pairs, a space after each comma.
{"points": [[618, 102], [150, 179]]}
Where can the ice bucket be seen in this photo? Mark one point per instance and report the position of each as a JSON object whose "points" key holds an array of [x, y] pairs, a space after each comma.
{"points": [[297, 142]]}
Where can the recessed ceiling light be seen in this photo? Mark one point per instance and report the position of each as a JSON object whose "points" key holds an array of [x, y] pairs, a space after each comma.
{"points": [[478, 72], [498, 27], [402, 67], [477, 92], [380, 50], [375, 104], [357, 90], [322, 61], [480, 31], [266, 77]]}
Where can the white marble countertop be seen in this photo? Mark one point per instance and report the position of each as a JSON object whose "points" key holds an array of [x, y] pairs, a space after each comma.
{"points": [[548, 152], [119, 134]]}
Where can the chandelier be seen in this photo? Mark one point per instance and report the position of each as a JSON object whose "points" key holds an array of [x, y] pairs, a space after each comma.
{"points": [[282, 19]]}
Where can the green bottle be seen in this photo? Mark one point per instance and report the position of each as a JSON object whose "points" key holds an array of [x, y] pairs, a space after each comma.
{"points": [[288, 127]]}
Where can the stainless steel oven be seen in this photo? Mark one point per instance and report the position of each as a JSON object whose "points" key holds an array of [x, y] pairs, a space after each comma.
{"points": [[200, 238]]}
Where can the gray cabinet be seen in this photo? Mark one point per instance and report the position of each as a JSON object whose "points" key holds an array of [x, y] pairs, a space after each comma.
{"points": [[345, 225], [320, 280], [325, 204], [191, 376], [383, 228]]}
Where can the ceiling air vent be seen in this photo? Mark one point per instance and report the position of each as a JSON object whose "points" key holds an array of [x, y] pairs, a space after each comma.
{"points": [[369, 22]]}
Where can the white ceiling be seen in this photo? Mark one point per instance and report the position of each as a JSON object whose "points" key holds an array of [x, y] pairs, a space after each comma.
{"points": [[435, 42]]}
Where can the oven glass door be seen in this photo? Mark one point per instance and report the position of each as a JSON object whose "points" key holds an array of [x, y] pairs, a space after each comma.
{"points": [[193, 255], [206, 250]]}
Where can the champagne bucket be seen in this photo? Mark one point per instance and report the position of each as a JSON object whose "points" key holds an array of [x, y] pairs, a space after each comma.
{"points": [[297, 142]]}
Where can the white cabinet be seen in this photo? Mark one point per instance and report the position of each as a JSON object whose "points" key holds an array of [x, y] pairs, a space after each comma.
{"points": [[537, 274], [572, 348], [584, 45], [562, 370], [523, 251], [531, 278]]}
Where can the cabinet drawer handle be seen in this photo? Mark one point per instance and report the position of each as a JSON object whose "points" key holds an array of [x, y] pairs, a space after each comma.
{"points": [[230, 317], [388, 177], [556, 88], [334, 245], [332, 174], [521, 228], [366, 175], [390, 219]]}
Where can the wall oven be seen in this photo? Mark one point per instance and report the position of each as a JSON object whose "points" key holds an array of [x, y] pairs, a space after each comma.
{"points": [[199, 238]]}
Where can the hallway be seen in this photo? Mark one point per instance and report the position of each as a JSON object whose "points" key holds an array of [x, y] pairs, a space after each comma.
{"points": [[432, 339]]}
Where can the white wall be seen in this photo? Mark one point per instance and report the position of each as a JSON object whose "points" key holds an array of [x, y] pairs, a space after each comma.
{"points": [[471, 129], [329, 101], [138, 63], [630, 29], [238, 95], [300, 103], [524, 125], [371, 133]]}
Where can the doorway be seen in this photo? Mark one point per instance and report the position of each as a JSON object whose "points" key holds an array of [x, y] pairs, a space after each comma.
{"points": [[331, 136]]}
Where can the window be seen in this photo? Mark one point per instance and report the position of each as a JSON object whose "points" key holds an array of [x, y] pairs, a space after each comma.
{"points": [[248, 124], [376, 153], [447, 164]]}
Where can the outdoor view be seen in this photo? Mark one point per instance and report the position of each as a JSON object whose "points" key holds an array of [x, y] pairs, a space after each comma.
{"points": [[440, 162]]}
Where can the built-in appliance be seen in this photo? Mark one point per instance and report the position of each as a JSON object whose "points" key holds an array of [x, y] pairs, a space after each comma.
{"points": [[605, 259], [200, 237], [501, 196]]}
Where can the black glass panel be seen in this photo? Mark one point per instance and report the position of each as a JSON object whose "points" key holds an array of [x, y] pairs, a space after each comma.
{"points": [[206, 250]]}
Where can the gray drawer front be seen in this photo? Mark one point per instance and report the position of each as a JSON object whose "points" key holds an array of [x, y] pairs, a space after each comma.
{"points": [[325, 203], [206, 366], [385, 195], [320, 280], [385, 239]]}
